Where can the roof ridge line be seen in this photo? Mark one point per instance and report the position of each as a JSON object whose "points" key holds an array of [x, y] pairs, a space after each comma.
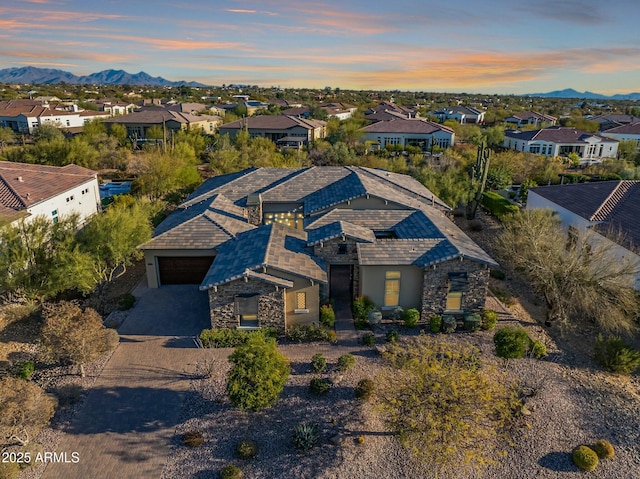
{"points": [[606, 202], [15, 193]]}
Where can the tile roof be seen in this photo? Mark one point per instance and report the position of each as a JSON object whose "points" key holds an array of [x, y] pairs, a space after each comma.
{"points": [[417, 252], [338, 229], [556, 134], [23, 185], [157, 115], [611, 204], [272, 122], [526, 115], [270, 246], [370, 219], [629, 129], [406, 125]]}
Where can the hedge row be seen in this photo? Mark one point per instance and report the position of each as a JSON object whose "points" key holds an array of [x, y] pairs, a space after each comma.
{"points": [[497, 205]]}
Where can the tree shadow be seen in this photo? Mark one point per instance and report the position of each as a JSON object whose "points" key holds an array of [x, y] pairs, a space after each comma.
{"points": [[557, 461]]}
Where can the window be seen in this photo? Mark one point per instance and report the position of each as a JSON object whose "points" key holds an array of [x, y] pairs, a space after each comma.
{"points": [[301, 300], [54, 215], [246, 306], [342, 248], [458, 284], [392, 288]]}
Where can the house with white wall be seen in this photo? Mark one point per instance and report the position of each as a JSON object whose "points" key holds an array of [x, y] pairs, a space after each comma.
{"points": [[27, 191], [609, 209], [534, 118], [625, 132], [562, 141], [408, 132], [25, 118], [462, 114]]}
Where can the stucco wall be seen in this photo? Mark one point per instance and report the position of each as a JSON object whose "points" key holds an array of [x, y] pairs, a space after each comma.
{"points": [[372, 283], [85, 204]]}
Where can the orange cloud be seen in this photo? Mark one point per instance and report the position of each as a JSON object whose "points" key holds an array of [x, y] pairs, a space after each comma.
{"points": [[239, 10]]}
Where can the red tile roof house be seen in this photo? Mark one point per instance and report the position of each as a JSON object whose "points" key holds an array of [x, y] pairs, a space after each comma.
{"points": [[408, 132], [602, 207], [269, 245], [23, 117], [27, 191], [561, 141]]}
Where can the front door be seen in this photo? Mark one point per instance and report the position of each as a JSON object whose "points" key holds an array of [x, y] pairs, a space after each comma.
{"points": [[340, 282]]}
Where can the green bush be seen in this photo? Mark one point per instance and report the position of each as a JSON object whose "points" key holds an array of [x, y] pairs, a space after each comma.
{"points": [[231, 338], [318, 362], [246, 449], [497, 205], [616, 356], [126, 302], [392, 336], [305, 436], [435, 323], [489, 319], [604, 449], [511, 342], [361, 307], [319, 386], [231, 471], [472, 322], [26, 369], [257, 375], [364, 389], [497, 274], [346, 362], [192, 438], [368, 339], [449, 323], [411, 317], [307, 333], [360, 324], [327, 316], [585, 458], [9, 470], [537, 349]]}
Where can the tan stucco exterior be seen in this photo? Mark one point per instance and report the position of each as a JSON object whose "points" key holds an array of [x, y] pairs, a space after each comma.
{"points": [[372, 282]]}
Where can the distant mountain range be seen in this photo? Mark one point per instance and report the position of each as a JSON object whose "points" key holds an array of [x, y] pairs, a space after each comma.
{"points": [[586, 95], [34, 75]]}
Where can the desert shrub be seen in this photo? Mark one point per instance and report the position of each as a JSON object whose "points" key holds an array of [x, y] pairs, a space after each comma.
{"points": [[361, 307], [318, 362], [9, 470], [537, 349], [68, 394], [32, 449], [472, 322], [307, 333], [346, 362], [231, 338], [585, 458], [497, 205], [25, 370], [360, 440], [435, 323], [489, 319], [511, 342], [364, 389], [397, 313], [319, 386], [305, 436], [449, 323], [497, 274], [616, 356], [361, 324], [192, 438], [257, 375], [604, 449], [230, 471], [391, 336], [411, 317], [327, 316], [246, 449], [126, 302], [332, 336], [368, 339], [475, 225]]}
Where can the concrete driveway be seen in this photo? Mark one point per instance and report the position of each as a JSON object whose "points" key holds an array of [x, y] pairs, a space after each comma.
{"points": [[125, 426]]}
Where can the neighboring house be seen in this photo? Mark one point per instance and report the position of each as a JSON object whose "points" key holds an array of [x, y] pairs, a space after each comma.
{"points": [[461, 114], [286, 103], [26, 117], [630, 131], [281, 129], [561, 141], [139, 122], [270, 245], [114, 107], [341, 111], [605, 207], [526, 118], [298, 112], [27, 191], [612, 120], [386, 111], [408, 132]]}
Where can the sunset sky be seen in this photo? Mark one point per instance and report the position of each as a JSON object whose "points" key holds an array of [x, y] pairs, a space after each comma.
{"points": [[488, 46]]}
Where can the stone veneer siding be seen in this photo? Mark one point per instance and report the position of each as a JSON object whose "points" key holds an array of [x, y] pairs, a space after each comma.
{"points": [[271, 304], [436, 286], [328, 251]]}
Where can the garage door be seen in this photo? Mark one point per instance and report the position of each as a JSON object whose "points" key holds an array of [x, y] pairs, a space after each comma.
{"points": [[183, 270]]}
